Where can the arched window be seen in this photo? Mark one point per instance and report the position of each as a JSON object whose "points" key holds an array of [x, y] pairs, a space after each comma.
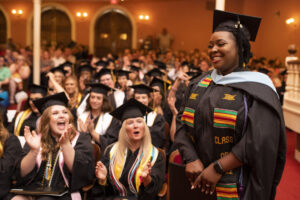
{"points": [[113, 33], [3, 28]]}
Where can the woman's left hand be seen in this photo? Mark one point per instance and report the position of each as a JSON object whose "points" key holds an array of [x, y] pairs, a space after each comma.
{"points": [[207, 180], [65, 137], [145, 175]]}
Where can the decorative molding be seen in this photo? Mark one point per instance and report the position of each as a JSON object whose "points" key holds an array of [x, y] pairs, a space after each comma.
{"points": [[46, 6], [8, 23], [101, 12]]}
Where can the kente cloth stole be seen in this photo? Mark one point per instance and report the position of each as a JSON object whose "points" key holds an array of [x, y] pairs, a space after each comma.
{"points": [[227, 191], [189, 111], [20, 119], [116, 169]]}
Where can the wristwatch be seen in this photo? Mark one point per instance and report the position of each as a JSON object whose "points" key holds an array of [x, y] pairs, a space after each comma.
{"points": [[218, 168]]}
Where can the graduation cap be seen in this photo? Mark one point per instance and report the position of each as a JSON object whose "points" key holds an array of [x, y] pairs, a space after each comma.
{"points": [[84, 62], [163, 85], [154, 73], [131, 109], [160, 65], [38, 89], [103, 72], [56, 99], [134, 68], [142, 89], [239, 21], [60, 69], [101, 63], [135, 61], [85, 67], [99, 88], [67, 64], [121, 72]]}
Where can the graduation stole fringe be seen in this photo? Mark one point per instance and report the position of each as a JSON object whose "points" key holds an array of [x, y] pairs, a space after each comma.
{"points": [[227, 192], [19, 123], [205, 81], [134, 174]]}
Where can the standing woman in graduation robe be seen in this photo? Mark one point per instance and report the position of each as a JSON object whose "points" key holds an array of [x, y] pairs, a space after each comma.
{"points": [[10, 150], [230, 130], [96, 119], [29, 116], [57, 156], [132, 167]]}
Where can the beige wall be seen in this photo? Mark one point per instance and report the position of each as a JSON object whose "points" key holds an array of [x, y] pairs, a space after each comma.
{"points": [[188, 21]]}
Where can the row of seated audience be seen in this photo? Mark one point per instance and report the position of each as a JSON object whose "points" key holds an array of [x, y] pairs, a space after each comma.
{"points": [[127, 106]]}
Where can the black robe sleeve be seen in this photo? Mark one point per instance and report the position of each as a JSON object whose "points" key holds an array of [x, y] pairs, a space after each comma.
{"points": [[84, 163], [158, 131], [182, 140], [262, 150], [158, 176], [12, 150], [111, 135]]}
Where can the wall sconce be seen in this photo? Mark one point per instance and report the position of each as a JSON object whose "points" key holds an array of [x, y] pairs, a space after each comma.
{"points": [[290, 21], [144, 17], [17, 12], [82, 15]]}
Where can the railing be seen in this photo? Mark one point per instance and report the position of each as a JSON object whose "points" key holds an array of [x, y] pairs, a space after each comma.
{"points": [[291, 102]]}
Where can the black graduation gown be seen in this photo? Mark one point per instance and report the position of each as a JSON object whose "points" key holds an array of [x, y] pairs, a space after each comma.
{"points": [[145, 193], [12, 151], [157, 131], [29, 121], [261, 145], [83, 168]]}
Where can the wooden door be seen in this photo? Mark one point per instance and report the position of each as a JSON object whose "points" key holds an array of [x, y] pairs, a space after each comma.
{"points": [[3, 28], [113, 34], [55, 27]]}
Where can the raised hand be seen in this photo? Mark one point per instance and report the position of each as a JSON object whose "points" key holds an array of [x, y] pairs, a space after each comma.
{"points": [[90, 126], [101, 171], [65, 137], [32, 139], [145, 175], [82, 125]]}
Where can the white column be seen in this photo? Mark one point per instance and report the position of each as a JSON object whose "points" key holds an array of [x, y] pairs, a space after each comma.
{"points": [[220, 5], [36, 40]]}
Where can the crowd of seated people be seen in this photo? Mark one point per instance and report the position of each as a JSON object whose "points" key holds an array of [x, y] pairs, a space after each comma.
{"points": [[72, 108]]}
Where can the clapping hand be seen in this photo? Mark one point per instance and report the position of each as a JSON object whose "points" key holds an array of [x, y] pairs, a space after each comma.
{"points": [[32, 139], [101, 171], [65, 137]]}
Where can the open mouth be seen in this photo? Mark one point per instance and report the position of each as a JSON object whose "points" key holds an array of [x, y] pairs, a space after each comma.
{"points": [[136, 132], [61, 125]]}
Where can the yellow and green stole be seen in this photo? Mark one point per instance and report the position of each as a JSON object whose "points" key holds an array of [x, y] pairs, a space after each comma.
{"points": [[116, 169]]}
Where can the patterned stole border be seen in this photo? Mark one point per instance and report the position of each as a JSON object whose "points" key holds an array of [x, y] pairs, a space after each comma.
{"points": [[188, 116], [227, 192], [205, 81], [224, 118]]}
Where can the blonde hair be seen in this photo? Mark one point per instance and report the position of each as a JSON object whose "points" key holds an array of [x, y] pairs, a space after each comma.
{"points": [[124, 142], [3, 136], [73, 100], [44, 128]]}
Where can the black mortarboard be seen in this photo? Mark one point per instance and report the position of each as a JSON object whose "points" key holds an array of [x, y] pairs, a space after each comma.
{"points": [[99, 88], [60, 68], [184, 63], [56, 99], [85, 67], [121, 72], [84, 62], [38, 89], [135, 61], [67, 63], [102, 72], [154, 72], [160, 64], [142, 89], [131, 109], [251, 23], [163, 85], [134, 68], [101, 63]]}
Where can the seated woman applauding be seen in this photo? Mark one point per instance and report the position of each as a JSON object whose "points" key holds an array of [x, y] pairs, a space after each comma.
{"points": [[133, 167], [56, 157]]}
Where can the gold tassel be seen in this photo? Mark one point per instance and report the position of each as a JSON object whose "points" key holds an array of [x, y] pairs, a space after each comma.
{"points": [[244, 65], [1, 150]]}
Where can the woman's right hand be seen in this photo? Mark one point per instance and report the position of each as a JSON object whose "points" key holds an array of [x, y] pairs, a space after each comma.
{"points": [[101, 171], [32, 139], [82, 126], [193, 170]]}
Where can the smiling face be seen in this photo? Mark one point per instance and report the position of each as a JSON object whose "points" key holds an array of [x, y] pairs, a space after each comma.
{"points": [[70, 86], [135, 129], [96, 100], [107, 80], [223, 52], [59, 120], [143, 98]]}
